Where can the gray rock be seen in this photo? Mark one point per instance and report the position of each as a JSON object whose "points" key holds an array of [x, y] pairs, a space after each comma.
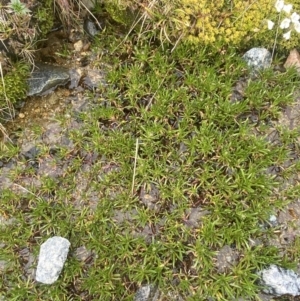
{"points": [[258, 58], [53, 254], [91, 28], [46, 77], [93, 79], [279, 281], [147, 293], [226, 258]]}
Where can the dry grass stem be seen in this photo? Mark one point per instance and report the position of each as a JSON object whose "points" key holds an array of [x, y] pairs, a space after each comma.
{"points": [[134, 166]]}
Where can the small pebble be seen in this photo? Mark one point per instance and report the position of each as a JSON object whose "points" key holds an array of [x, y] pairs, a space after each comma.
{"points": [[273, 218], [53, 99], [21, 115], [78, 46]]}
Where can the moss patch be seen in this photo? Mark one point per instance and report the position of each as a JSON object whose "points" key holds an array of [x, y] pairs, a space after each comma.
{"points": [[14, 87]]}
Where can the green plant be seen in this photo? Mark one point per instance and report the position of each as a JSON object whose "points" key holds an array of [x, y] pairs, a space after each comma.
{"points": [[13, 85], [45, 16], [17, 7], [15, 26], [241, 24], [164, 172], [119, 13]]}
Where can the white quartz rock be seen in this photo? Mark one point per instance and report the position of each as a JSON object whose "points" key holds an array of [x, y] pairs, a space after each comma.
{"points": [[52, 256]]}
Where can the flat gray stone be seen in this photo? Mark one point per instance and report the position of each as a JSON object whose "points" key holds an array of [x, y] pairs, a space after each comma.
{"points": [[90, 28], [258, 58], [147, 293], [279, 281], [53, 254], [46, 77]]}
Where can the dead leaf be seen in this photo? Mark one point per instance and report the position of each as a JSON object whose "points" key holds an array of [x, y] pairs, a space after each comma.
{"points": [[293, 60]]}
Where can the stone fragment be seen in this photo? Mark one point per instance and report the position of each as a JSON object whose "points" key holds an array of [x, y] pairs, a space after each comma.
{"points": [[279, 281], [258, 58], [147, 293], [46, 77], [52, 256], [78, 46], [226, 258], [75, 76], [91, 28], [93, 79]]}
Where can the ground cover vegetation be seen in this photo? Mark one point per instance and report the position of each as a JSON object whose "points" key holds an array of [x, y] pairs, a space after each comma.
{"points": [[164, 126]]}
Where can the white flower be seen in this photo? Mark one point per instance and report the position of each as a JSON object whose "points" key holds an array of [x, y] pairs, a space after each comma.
{"points": [[297, 26], [291, 22], [270, 24], [294, 17], [287, 35], [279, 5], [287, 8], [285, 23]]}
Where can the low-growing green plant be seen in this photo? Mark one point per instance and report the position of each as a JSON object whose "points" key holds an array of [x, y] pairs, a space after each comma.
{"points": [[240, 24], [45, 17], [165, 121], [13, 86], [16, 28], [17, 7], [121, 14], [179, 101]]}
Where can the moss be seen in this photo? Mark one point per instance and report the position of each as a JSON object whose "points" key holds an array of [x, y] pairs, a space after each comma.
{"points": [[15, 84], [229, 23], [120, 13], [45, 16]]}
